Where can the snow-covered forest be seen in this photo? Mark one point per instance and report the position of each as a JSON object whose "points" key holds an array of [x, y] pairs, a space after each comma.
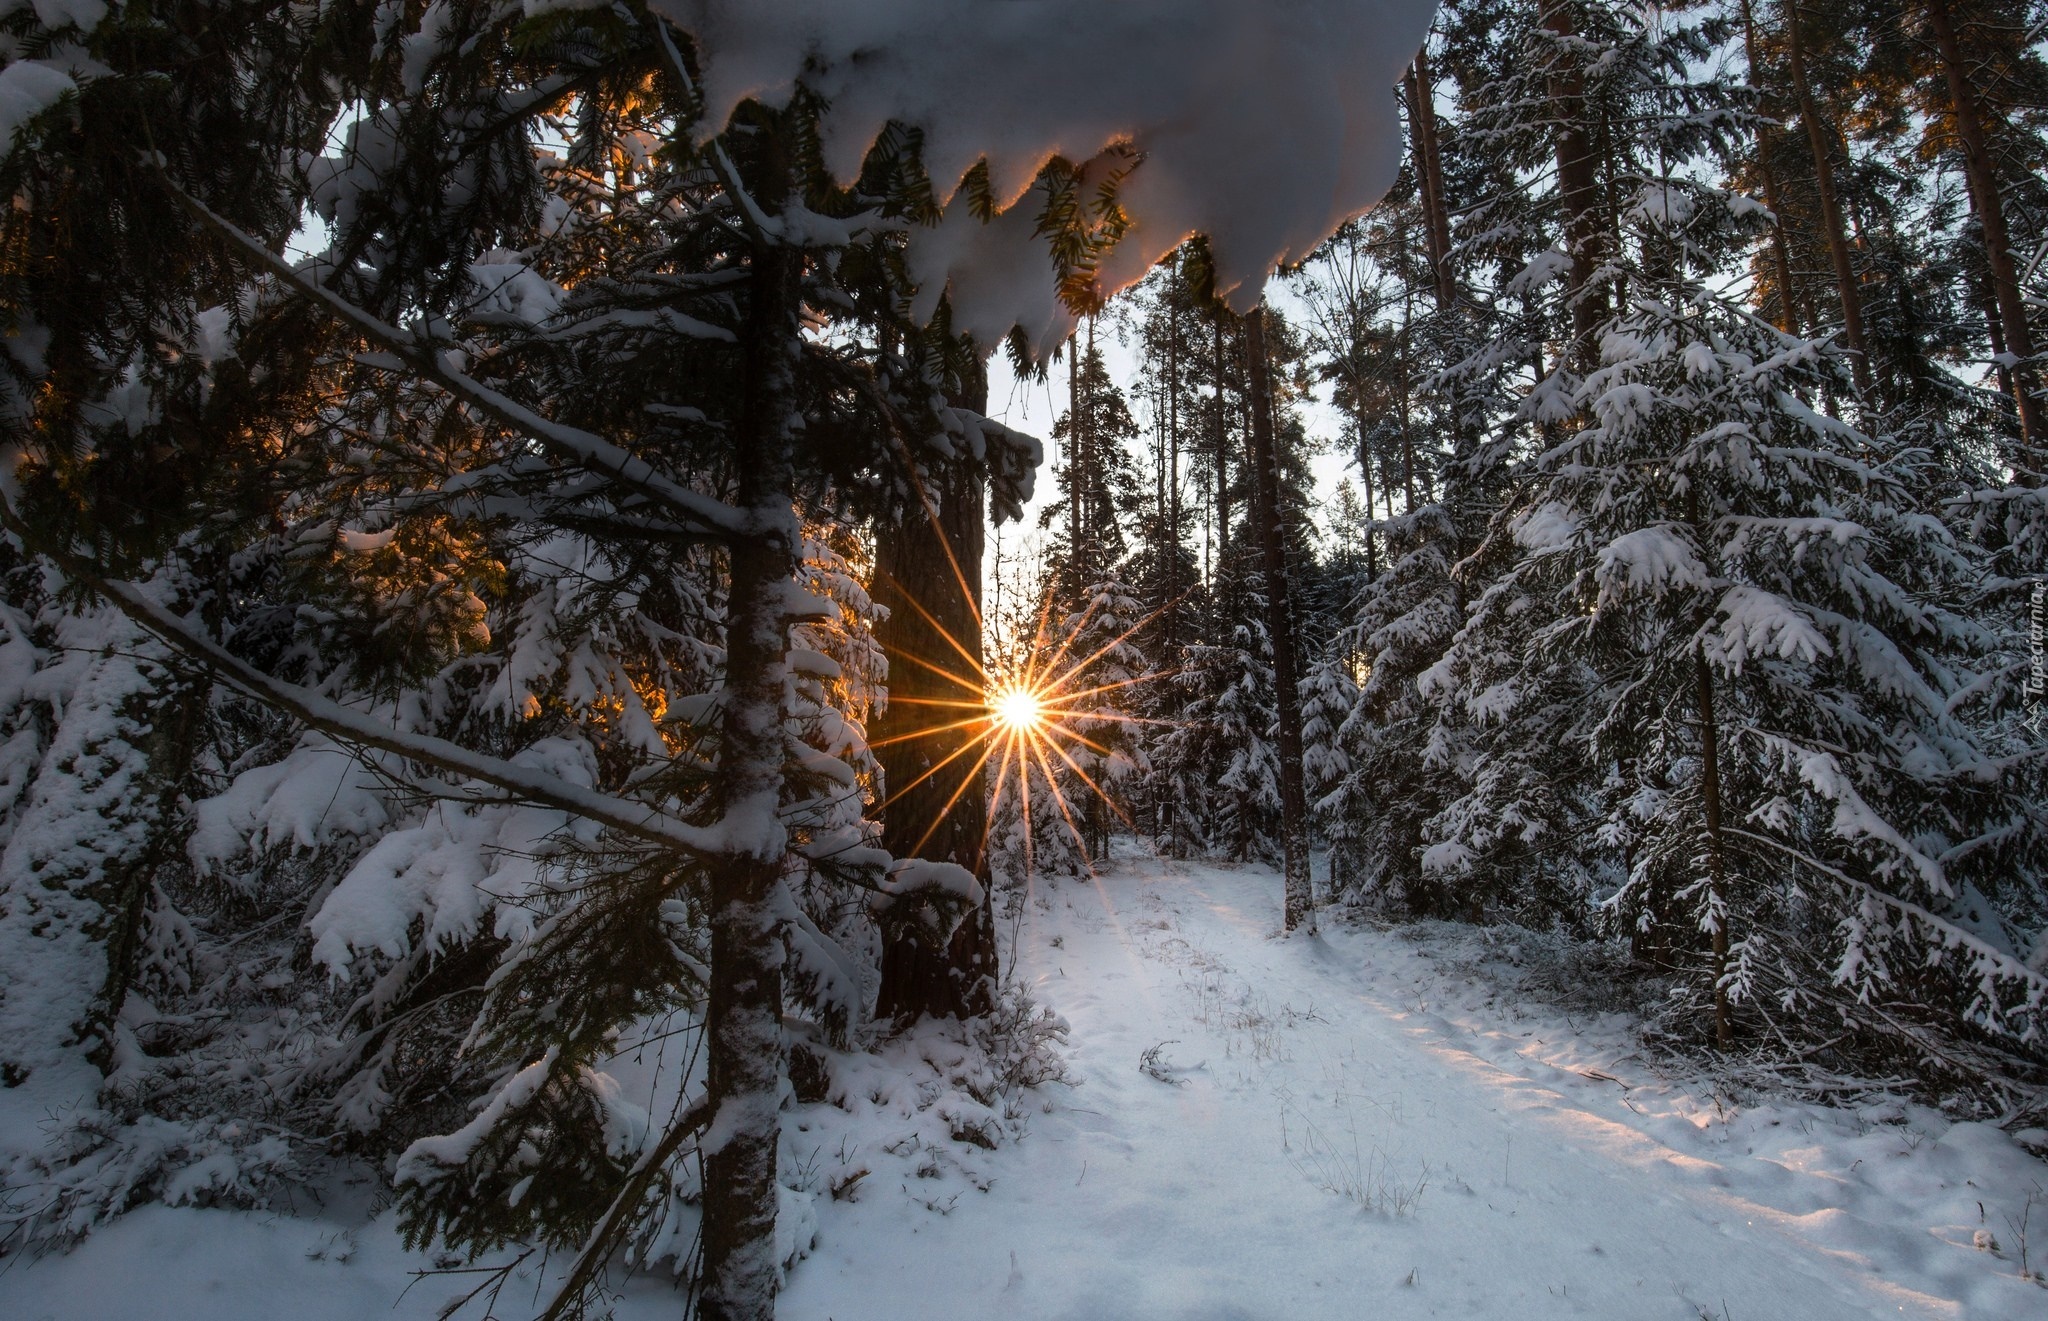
{"points": [[563, 752]]}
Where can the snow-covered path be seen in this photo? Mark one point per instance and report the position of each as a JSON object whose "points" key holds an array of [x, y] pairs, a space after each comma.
{"points": [[1348, 1127], [1339, 1146]]}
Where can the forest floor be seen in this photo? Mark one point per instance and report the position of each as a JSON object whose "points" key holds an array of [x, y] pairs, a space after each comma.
{"points": [[1364, 1123]]}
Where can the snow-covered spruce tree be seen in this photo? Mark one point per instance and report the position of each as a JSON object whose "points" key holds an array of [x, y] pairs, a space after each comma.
{"points": [[101, 298], [761, 759], [1329, 695], [1223, 741], [1717, 625], [1096, 485], [1401, 770], [1278, 587], [1427, 389], [1101, 737], [1167, 570], [1534, 80]]}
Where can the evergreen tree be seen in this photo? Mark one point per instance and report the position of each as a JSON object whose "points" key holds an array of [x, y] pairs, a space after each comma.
{"points": [[578, 649]]}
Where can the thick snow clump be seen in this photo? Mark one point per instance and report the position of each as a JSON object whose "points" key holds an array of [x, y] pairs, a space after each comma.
{"points": [[1263, 126]]}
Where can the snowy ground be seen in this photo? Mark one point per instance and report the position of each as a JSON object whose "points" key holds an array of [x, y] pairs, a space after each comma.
{"points": [[1330, 1128]]}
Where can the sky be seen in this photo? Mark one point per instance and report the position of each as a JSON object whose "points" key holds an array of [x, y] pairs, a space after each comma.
{"points": [[1032, 406]]}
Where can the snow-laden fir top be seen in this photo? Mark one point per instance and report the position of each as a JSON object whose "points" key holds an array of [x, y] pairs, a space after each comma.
{"points": [[1263, 125]]}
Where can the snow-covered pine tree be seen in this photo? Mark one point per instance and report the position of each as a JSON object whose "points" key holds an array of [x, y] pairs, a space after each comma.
{"points": [[1401, 766], [1100, 736], [102, 293], [1222, 747], [1329, 694], [1097, 486], [1716, 624]]}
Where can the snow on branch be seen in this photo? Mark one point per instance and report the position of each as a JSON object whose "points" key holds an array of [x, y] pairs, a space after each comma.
{"points": [[344, 724], [1262, 126], [1993, 965], [700, 513]]}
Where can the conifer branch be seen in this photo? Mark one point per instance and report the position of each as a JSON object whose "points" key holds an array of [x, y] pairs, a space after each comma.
{"points": [[612, 1229], [700, 514], [1994, 961], [346, 725]]}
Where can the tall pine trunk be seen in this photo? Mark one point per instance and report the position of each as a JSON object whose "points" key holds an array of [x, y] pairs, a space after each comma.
{"points": [[1781, 248], [1300, 897], [1372, 558], [1222, 456], [1578, 184], [1830, 207], [1989, 202], [1073, 451], [928, 574], [743, 1021], [1420, 89], [1717, 878]]}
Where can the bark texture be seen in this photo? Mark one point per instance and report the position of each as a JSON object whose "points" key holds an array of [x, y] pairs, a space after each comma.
{"points": [[2023, 376], [928, 574], [1817, 135], [745, 1048], [1300, 906]]}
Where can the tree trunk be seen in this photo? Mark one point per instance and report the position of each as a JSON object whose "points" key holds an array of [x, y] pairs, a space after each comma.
{"points": [[1074, 449], [1578, 188], [1300, 897], [743, 1019], [1781, 250], [933, 558], [1222, 456], [1830, 208], [1429, 173], [1407, 385], [1990, 205], [173, 717], [1717, 888], [1173, 586], [1091, 468], [1372, 557]]}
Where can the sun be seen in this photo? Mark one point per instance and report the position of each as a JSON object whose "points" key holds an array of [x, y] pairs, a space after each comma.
{"points": [[1026, 719], [1017, 710]]}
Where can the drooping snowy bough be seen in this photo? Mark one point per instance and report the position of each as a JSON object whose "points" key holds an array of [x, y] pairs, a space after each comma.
{"points": [[1260, 127]]}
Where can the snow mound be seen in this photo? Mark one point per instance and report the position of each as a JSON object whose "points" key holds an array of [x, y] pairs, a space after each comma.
{"points": [[1261, 126]]}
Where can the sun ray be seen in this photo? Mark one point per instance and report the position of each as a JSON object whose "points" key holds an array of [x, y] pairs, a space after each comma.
{"points": [[1150, 677], [940, 670], [1020, 716], [1061, 800], [1111, 803], [951, 641], [927, 732], [1066, 643], [917, 849], [995, 798], [1100, 651], [1084, 741], [979, 705], [954, 756], [931, 513]]}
